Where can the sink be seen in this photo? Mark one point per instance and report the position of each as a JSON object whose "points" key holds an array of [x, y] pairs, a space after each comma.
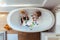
{"points": [[45, 22]]}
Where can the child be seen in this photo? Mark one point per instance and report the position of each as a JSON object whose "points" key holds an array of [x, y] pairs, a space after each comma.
{"points": [[36, 16], [24, 16]]}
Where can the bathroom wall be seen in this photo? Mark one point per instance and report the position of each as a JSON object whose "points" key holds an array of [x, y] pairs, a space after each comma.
{"points": [[14, 2], [52, 3], [8, 8], [46, 3], [19, 2]]}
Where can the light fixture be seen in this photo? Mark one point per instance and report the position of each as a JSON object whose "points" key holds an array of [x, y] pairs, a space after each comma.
{"points": [[2, 4], [2, 15]]}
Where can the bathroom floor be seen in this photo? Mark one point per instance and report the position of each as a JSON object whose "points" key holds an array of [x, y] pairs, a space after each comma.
{"points": [[3, 20], [21, 35]]}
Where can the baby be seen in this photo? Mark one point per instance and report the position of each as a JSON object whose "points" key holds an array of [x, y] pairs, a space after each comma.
{"points": [[35, 17], [24, 16], [34, 21]]}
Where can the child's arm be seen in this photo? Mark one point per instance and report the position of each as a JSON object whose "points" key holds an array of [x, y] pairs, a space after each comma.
{"points": [[21, 20]]}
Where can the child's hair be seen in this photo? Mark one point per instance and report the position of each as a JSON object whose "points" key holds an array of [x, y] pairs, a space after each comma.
{"points": [[22, 11], [38, 13]]}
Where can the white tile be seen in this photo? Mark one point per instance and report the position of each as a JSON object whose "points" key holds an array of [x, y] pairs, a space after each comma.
{"points": [[12, 36]]}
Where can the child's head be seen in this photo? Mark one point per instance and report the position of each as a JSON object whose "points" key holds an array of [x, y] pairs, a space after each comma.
{"points": [[22, 11], [36, 15]]}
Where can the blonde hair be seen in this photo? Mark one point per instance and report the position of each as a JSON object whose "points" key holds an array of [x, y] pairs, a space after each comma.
{"points": [[22, 11]]}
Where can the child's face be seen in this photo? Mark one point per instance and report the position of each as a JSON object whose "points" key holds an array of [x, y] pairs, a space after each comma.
{"points": [[34, 17]]}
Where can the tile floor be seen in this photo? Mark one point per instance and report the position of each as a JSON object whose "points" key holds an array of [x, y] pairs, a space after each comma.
{"points": [[3, 20]]}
